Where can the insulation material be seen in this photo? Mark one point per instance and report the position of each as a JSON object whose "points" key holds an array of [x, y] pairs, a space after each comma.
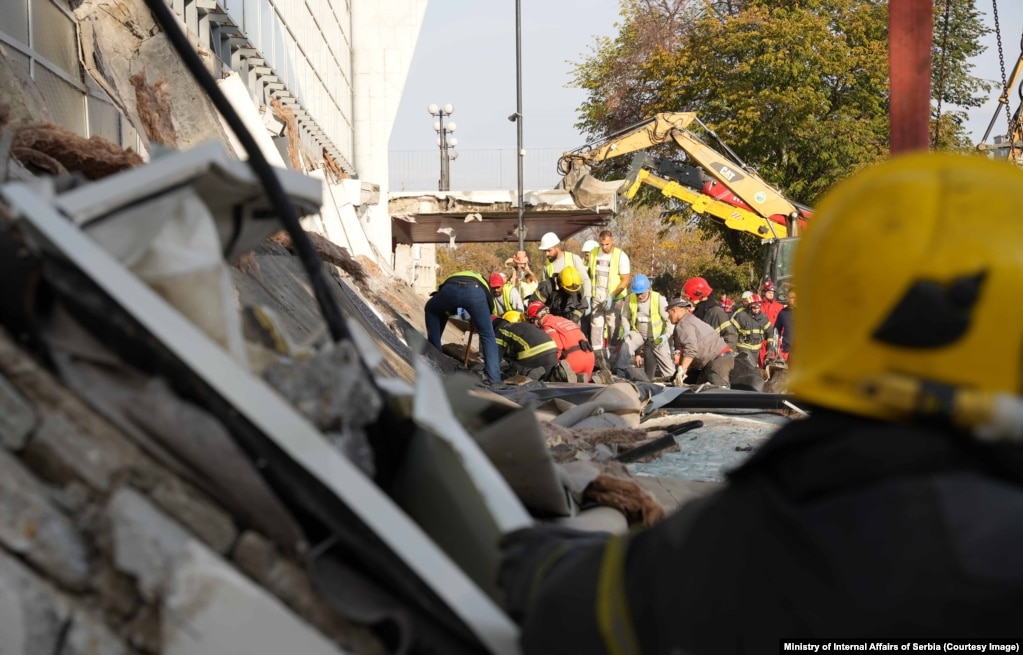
{"points": [[55, 150]]}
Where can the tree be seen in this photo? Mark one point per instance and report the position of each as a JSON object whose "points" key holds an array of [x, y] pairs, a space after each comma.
{"points": [[797, 88]]}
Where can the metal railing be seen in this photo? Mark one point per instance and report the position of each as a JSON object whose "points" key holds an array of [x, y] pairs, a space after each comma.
{"points": [[475, 170]]}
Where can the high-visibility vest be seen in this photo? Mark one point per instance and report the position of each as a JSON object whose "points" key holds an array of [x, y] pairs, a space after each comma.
{"points": [[656, 322], [613, 278]]}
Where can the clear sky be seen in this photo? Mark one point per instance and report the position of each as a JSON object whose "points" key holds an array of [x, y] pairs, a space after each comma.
{"points": [[466, 56]]}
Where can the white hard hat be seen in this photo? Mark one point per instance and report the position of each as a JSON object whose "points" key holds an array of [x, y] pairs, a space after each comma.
{"points": [[549, 240], [589, 246], [746, 295]]}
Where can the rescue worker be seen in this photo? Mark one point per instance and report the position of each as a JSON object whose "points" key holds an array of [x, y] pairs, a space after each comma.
{"points": [[744, 300], [564, 296], [522, 277], [893, 509], [645, 324], [753, 329], [771, 306], [609, 278], [468, 290], [700, 354], [698, 291], [589, 252], [505, 294], [573, 348], [726, 303], [784, 326], [558, 259], [528, 350]]}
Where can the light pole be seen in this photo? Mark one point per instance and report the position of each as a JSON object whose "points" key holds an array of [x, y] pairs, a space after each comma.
{"points": [[517, 116], [444, 142]]}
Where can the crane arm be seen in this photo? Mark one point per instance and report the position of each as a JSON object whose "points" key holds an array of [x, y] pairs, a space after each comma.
{"points": [[746, 185]]}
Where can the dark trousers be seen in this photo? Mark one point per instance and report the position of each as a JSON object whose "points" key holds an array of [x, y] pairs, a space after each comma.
{"points": [[717, 371], [473, 299]]}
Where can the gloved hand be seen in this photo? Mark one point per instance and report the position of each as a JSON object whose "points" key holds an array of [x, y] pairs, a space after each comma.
{"points": [[609, 304], [531, 554], [680, 377]]}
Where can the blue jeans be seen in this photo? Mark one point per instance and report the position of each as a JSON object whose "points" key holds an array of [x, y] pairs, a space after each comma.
{"points": [[471, 297]]}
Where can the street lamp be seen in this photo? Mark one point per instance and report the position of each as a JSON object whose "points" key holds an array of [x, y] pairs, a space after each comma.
{"points": [[517, 117], [444, 142]]}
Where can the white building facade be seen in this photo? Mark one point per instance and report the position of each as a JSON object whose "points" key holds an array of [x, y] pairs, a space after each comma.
{"points": [[338, 67]]}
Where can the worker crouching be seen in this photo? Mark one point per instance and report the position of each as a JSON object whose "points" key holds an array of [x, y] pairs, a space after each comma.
{"points": [[573, 348]]}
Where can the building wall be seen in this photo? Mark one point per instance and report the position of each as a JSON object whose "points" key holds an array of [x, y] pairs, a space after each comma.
{"points": [[385, 36]]}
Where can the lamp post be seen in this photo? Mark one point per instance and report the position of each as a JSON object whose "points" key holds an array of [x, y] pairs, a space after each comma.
{"points": [[517, 116], [445, 142]]}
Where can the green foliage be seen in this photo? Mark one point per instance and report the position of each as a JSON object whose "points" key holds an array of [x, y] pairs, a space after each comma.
{"points": [[797, 88]]}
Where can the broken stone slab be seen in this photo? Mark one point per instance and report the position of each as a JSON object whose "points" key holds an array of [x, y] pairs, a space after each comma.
{"points": [[17, 418], [211, 608], [32, 526]]}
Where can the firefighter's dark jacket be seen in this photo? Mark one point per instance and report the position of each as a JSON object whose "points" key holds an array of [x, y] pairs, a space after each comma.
{"points": [[711, 313], [523, 341], [838, 527]]}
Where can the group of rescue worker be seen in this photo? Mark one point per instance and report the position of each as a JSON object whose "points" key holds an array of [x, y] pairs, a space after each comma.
{"points": [[590, 311], [892, 511]]}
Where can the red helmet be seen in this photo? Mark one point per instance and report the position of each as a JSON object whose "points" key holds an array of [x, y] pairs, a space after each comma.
{"points": [[536, 309], [696, 287], [767, 286], [755, 299], [496, 280], [727, 304]]}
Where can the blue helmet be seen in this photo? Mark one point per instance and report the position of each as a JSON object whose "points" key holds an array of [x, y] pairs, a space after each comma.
{"points": [[640, 283]]}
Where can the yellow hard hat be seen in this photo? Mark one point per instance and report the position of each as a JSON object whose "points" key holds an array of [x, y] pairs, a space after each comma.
{"points": [[908, 270], [513, 316], [570, 279]]}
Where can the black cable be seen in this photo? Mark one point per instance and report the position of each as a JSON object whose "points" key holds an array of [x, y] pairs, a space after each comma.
{"points": [[260, 166]]}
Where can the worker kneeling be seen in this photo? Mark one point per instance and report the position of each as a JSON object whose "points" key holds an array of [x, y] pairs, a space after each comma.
{"points": [[528, 350], [894, 508], [645, 325], [573, 348]]}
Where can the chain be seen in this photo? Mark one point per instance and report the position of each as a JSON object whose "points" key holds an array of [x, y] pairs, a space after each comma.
{"points": [[941, 71], [1001, 59]]}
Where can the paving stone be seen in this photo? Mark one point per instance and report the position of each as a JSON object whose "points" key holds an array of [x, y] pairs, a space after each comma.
{"points": [[88, 635], [145, 542], [32, 614], [62, 452], [17, 418], [32, 526], [187, 506]]}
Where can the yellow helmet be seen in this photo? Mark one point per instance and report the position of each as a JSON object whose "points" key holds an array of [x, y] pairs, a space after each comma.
{"points": [[570, 279], [907, 272], [513, 316]]}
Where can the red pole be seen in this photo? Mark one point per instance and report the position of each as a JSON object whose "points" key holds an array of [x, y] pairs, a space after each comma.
{"points": [[910, 31]]}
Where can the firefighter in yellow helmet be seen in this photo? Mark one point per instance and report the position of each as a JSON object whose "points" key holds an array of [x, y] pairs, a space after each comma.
{"points": [[894, 509], [564, 294]]}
